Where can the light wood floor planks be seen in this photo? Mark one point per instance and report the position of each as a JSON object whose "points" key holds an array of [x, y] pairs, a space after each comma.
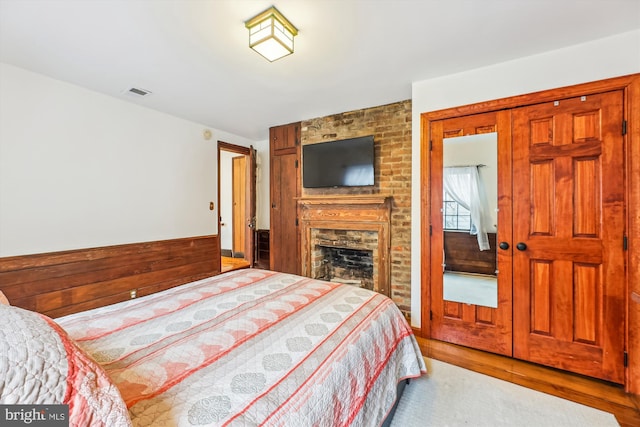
{"points": [[229, 263]]}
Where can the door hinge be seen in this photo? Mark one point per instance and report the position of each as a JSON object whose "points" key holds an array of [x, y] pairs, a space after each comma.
{"points": [[625, 243], [625, 359], [297, 222], [430, 145], [430, 315], [430, 231], [624, 127], [296, 164]]}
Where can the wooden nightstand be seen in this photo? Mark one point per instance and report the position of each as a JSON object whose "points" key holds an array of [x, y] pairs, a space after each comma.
{"points": [[262, 249]]}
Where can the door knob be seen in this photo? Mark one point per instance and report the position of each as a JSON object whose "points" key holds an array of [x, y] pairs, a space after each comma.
{"points": [[521, 246], [504, 245]]}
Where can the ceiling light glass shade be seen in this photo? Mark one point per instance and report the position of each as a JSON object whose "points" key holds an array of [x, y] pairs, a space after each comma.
{"points": [[271, 35]]}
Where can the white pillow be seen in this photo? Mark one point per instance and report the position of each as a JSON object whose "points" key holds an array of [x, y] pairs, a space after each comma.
{"points": [[41, 365]]}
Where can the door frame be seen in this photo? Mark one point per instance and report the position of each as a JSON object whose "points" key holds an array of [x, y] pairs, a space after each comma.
{"points": [[250, 155], [630, 85]]}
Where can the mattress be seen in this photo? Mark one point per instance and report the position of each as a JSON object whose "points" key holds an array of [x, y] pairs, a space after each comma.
{"points": [[252, 347]]}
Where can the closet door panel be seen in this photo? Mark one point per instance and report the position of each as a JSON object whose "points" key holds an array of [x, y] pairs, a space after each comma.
{"points": [[284, 240], [284, 236], [543, 198], [568, 183], [468, 322]]}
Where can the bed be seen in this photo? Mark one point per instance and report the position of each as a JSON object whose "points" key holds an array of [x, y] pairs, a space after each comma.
{"points": [[247, 347]]}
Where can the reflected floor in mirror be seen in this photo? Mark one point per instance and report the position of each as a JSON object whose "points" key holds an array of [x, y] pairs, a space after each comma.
{"points": [[471, 289]]}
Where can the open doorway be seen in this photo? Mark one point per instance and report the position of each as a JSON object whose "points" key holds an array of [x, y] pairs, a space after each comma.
{"points": [[237, 205]]}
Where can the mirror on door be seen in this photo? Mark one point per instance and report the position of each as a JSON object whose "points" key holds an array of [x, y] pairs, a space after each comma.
{"points": [[470, 218]]}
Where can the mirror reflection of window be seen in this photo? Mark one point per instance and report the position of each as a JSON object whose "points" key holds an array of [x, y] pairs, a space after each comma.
{"points": [[470, 187], [456, 216], [465, 186]]}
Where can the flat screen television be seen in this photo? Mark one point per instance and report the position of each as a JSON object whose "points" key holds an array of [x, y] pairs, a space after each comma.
{"points": [[343, 163]]}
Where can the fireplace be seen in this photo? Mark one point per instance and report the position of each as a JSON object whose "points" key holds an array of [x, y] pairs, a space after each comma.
{"points": [[346, 239]]}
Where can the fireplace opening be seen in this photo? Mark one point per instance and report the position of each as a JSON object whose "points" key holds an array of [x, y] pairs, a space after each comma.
{"points": [[345, 256], [345, 265]]}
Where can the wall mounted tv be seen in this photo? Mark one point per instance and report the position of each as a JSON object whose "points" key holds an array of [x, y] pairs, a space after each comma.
{"points": [[343, 163]]}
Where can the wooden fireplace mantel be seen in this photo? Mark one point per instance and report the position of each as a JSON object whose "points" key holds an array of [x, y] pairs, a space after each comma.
{"points": [[370, 212], [347, 199], [361, 208]]}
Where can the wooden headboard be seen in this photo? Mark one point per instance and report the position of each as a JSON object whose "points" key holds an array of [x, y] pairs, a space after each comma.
{"points": [[61, 283]]}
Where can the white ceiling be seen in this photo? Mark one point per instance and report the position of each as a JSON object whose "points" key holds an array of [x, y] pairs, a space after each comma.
{"points": [[350, 54]]}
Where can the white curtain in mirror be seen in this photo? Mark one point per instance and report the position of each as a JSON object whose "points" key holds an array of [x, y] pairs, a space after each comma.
{"points": [[466, 188]]}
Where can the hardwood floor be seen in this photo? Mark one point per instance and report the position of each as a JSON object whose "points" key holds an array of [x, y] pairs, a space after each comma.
{"points": [[229, 264], [587, 391]]}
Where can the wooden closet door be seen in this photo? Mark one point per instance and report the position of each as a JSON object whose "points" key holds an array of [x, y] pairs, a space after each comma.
{"points": [[480, 327], [284, 230], [568, 186], [284, 238]]}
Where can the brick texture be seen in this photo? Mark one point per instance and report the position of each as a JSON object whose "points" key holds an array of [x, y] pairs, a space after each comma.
{"points": [[391, 127]]}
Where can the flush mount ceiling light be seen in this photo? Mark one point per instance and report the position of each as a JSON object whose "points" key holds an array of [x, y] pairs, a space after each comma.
{"points": [[271, 34]]}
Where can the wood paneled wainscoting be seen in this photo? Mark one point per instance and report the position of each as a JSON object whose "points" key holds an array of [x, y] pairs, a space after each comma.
{"points": [[61, 283]]}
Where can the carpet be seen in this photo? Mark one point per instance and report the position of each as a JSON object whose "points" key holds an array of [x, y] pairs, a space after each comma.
{"points": [[452, 396]]}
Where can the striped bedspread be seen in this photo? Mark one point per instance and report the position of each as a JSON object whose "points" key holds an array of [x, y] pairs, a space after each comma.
{"points": [[253, 347]]}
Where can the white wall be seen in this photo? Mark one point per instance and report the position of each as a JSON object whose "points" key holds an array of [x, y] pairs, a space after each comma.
{"points": [[80, 169], [609, 57]]}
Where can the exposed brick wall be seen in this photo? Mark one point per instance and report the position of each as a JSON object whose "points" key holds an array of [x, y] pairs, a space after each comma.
{"points": [[391, 127]]}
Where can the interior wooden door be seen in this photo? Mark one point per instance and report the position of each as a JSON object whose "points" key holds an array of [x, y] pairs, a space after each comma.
{"points": [[482, 327], [250, 240], [243, 203], [568, 186], [239, 174]]}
